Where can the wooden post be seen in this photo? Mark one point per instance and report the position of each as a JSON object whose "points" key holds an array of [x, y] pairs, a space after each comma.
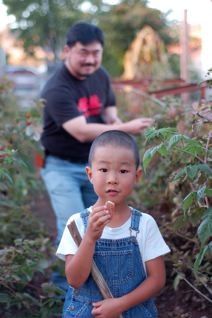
{"points": [[184, 54]]}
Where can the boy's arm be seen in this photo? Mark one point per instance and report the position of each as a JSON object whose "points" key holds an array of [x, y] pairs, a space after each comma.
{"points": [[154, 282], [78, 266]]}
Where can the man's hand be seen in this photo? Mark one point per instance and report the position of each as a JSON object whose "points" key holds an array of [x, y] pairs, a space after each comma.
{"points": [[139, 124]]}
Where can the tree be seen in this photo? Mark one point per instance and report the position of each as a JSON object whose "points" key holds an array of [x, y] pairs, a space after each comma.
{"points": [[121, 26], [45, 22]]}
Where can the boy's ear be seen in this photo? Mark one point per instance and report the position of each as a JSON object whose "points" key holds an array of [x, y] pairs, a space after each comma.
{"points": [[139, 173], [89, 173]]}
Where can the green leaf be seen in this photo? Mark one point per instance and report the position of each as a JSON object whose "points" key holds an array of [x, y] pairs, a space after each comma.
{"points": [[177, 280], [191, 171], [205, 169], [188, 200], [193, 147], [204, 230], [200, 257], [148, 155], [208, 192], [180, 222], [201, 193], [196, 215], [175, 140], [4, 298], [162, 150], [4, 175], [180, 174], [162, 133]]}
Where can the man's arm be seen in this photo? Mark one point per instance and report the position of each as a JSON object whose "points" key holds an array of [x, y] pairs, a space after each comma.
{"points": [[83, 131], [111, 115]]}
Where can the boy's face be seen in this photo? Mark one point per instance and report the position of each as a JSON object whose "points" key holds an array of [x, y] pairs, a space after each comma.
{"points": [[113, 173], [83, 60]]}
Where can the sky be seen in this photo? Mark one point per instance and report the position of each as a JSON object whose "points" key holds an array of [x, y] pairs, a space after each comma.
{"points": [[197, 10]]}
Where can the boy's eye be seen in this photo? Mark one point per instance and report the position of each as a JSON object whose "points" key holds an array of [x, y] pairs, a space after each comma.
{"points": [[123, 171], [103, 169]]}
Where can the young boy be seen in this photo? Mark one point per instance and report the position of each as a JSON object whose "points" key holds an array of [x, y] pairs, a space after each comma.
{"points": [[126, 244]]}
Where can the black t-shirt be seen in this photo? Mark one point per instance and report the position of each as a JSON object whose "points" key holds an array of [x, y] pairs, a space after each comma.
{"points": [[65, 98]]}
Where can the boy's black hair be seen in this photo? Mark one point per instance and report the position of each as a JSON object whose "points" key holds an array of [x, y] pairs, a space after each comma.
{"points": [[116, 138], [84, 33]]}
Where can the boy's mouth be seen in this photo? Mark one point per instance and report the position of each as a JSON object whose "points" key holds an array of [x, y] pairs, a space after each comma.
{"points": [[111, 191]]}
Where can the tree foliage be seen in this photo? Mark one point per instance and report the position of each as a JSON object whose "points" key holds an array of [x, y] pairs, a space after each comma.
{"points": [[44, 23]]}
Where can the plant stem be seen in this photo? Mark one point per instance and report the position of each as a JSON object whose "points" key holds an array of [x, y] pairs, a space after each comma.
{"points": [[196, 290]]}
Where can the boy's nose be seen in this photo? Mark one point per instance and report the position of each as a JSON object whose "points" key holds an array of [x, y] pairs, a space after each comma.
{"points": [[112, 178]]}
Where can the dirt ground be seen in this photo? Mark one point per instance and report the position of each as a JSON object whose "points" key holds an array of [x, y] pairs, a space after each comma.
{"points": [[183, 303]]}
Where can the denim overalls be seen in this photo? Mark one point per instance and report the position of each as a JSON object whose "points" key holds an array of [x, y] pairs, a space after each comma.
{"points": [[121, 265]]}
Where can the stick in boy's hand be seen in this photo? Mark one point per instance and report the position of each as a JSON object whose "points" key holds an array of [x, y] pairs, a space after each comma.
{"points": [[95, 272]]}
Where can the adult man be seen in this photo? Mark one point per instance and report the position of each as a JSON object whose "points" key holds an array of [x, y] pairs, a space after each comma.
{"points": [[80, 105]]}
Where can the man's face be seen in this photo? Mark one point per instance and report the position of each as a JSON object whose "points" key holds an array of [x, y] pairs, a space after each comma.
{"points": [[83, 60]]}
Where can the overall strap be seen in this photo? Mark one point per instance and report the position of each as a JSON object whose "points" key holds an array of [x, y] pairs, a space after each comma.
{"points": [[135, 220], [84, 215]]}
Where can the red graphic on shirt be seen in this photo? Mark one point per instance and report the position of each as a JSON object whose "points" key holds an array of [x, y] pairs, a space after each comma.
{"points": [[90, 106]]}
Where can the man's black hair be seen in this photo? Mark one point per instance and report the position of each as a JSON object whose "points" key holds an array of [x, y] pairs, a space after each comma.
{"points": [[84, 33], [116, 138]]}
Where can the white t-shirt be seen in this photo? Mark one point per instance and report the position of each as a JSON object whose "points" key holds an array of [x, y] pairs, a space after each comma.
{"points": [[150, 240]]}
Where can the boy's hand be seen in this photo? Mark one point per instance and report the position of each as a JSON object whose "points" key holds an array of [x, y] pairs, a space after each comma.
{"points": [[98, 219], [107, 308]]}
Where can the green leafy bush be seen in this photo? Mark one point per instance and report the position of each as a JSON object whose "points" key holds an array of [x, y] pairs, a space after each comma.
{"points": [[25, 248], [187, 185], [176, 186]]}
